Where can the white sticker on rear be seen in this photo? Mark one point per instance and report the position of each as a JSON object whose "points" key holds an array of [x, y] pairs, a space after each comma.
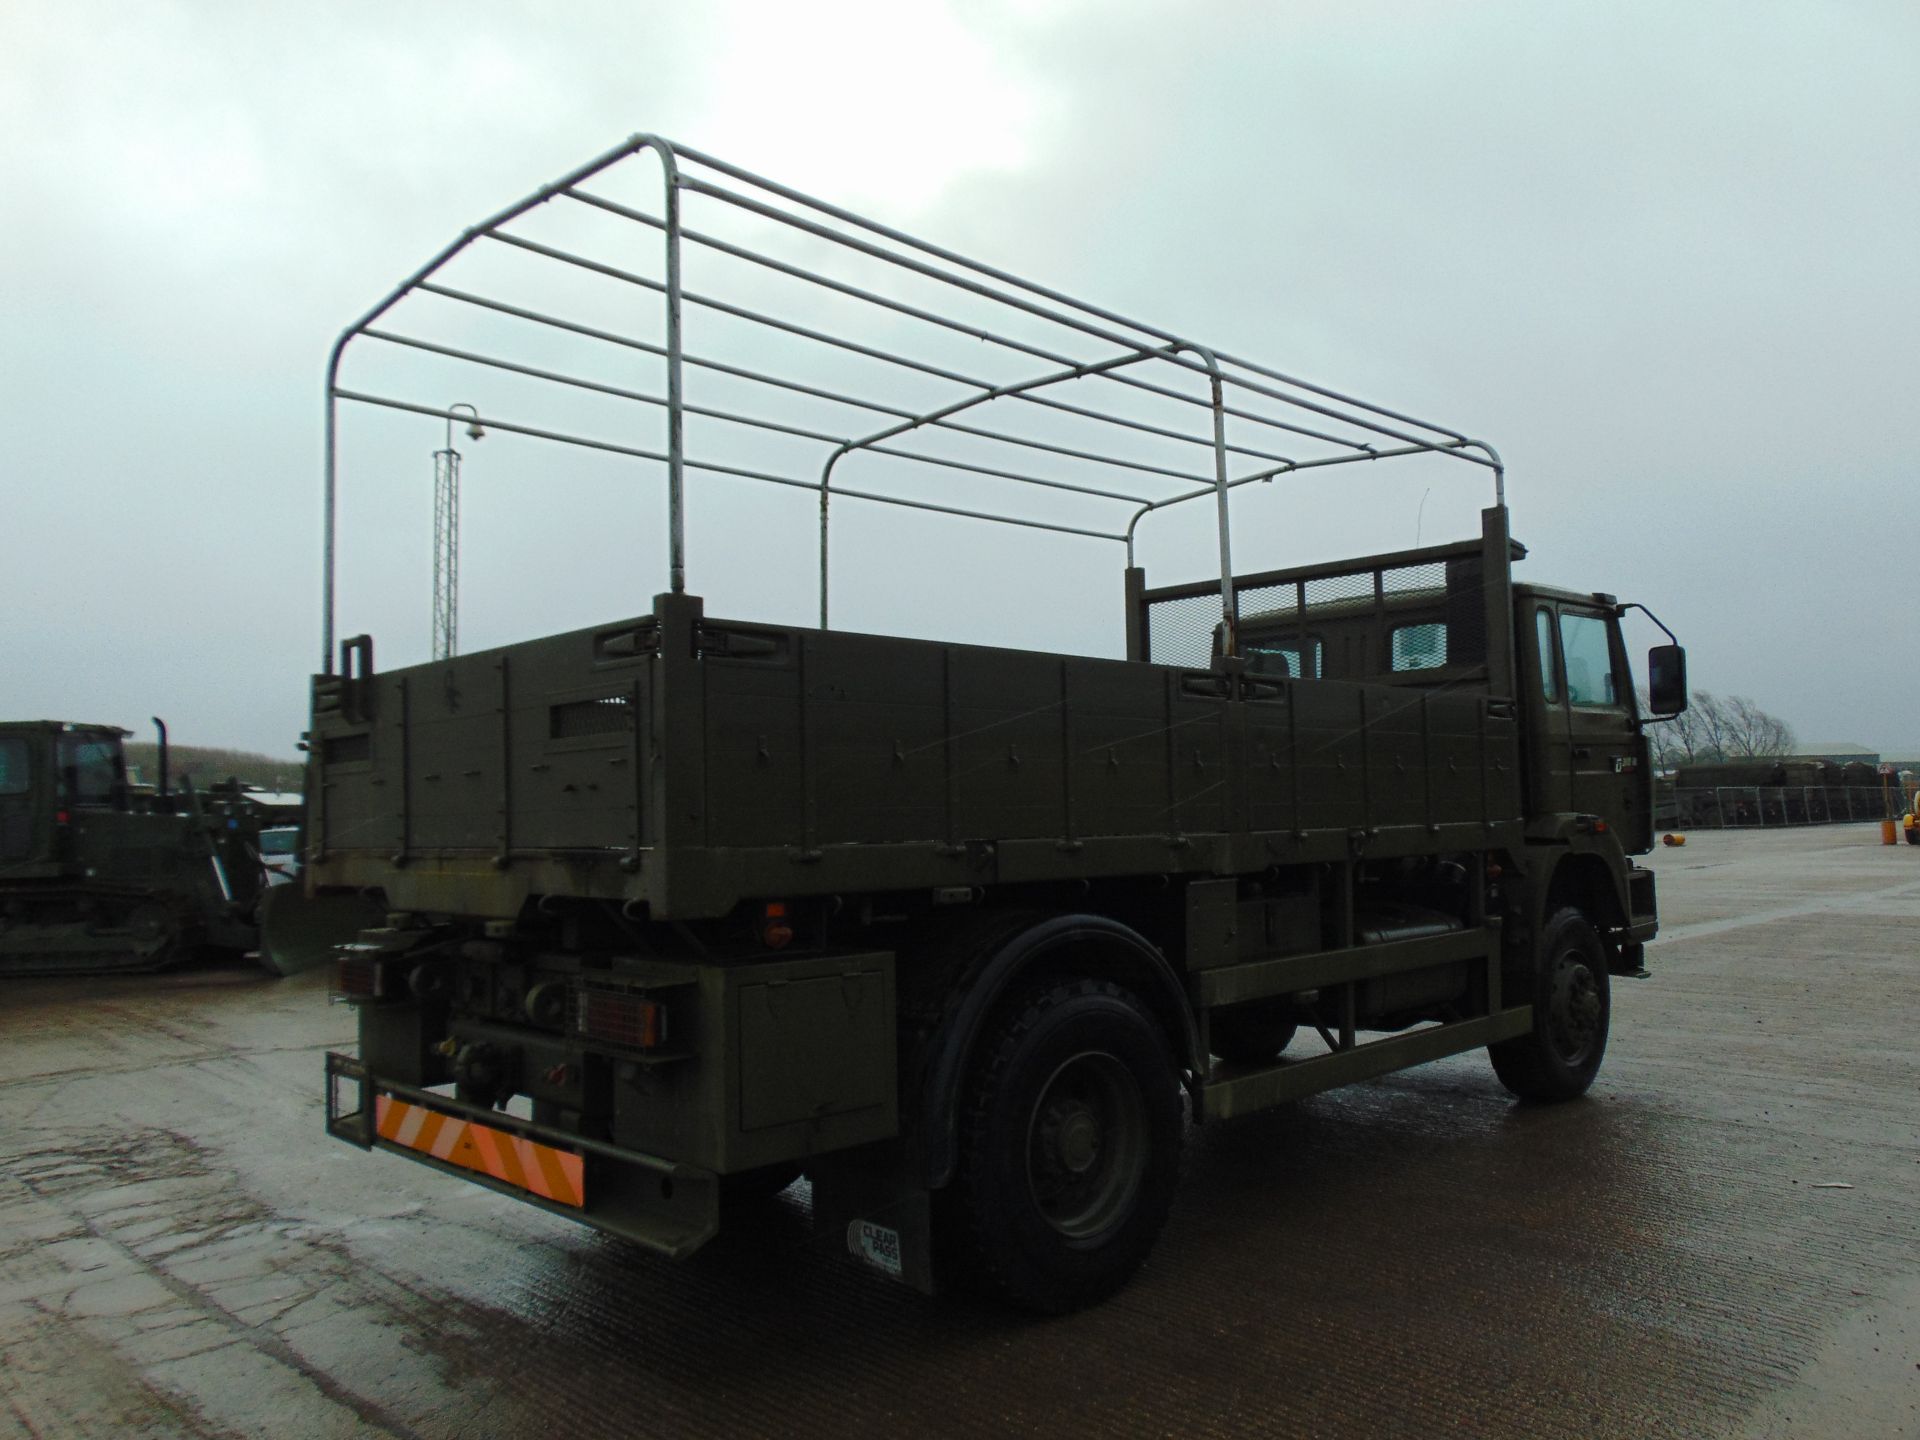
{"points": [[875, 1244]]}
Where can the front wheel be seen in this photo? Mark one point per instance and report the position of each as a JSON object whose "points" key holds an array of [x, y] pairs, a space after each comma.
{"points": [[1070, 1145], [1558, 1058]]}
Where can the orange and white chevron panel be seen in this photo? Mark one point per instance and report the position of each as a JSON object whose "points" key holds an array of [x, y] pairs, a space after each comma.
{"points": [[552, 1174]]}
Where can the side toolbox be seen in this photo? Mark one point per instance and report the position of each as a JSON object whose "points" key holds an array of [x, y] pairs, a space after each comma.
{"points": [[767, 1061]]}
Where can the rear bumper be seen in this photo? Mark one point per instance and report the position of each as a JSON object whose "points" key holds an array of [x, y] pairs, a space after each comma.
{"points": [[669, 1208]]}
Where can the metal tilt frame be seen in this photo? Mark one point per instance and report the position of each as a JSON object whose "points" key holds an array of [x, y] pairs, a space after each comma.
{"points": [[1106, 361]]}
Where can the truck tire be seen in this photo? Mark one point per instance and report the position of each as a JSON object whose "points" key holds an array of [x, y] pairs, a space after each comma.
{"points": [[1070, 1134], [1558, 1058], [1253, 1033]]}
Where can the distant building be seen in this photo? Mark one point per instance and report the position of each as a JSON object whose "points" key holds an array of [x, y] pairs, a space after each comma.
{"points": [[1840, 752]]}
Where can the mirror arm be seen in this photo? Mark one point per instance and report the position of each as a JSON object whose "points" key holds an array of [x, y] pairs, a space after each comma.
{"points": [[1620, 613]]}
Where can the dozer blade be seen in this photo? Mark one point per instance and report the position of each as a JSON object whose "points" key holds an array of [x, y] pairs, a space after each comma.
{"points": [[298, 932]]}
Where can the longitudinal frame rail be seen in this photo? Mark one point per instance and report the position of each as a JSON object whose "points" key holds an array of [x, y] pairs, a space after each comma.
{"points": [[1319, 427]]}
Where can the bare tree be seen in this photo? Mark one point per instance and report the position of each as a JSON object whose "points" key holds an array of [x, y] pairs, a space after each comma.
{"points": [[1751, 731], [1713, 728], [1710, 716], [1672, 742]]}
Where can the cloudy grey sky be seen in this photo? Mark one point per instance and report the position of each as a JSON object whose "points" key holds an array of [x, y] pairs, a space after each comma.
{"points": [[1662, 256]]}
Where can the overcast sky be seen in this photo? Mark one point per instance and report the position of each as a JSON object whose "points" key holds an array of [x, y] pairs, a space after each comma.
{"points": [[1663, 256]]}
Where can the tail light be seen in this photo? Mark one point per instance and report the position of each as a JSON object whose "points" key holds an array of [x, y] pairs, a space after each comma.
{"points": [[622, 1017], [359, 977], [776, 930]]}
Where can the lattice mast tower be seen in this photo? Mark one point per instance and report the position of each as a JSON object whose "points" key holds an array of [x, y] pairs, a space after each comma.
{"points": [[446, 538]]}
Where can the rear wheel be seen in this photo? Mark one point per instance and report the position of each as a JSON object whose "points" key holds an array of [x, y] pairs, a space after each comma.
{"points": [[1070, 1145], [1558, 1058]]}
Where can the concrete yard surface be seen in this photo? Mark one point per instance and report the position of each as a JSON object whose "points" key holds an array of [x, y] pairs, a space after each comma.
{"points": [[1723, 1239]]}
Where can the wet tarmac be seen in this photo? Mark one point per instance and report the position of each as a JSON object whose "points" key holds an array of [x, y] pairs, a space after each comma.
{"points": [[183, 1253]]}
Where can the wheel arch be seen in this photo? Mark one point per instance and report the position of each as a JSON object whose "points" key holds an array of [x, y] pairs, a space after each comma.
{"points": [[1099, 947], [1585, 880]]}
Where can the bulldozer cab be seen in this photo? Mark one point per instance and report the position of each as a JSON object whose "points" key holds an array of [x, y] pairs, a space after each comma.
{"points": [[90, 769], [49, 770]]}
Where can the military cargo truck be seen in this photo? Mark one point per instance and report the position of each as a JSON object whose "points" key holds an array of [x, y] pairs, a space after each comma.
{"points": [[98, 876], [681, 904]]}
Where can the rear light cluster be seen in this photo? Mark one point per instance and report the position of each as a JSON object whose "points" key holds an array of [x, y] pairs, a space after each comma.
{"points": [[360, 977], [776, 930], [622, 1017]]}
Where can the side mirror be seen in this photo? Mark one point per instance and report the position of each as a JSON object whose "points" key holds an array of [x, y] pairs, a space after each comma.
{"points": [[1667, 679]]}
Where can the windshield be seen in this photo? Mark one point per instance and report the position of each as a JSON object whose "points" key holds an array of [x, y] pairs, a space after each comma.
{"points": [[279, 842]]}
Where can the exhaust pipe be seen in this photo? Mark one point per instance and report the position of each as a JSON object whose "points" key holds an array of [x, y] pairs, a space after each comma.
{"points": [[161, 726]]}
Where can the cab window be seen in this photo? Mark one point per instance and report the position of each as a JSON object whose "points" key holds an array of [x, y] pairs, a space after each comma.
{"points": [[1276, 657], [1588, 656], [13, 766], [1543, 630], [91, 767], [1419, 647]]}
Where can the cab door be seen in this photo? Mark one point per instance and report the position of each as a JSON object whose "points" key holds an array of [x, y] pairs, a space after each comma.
{"points": [[1605, 751]]}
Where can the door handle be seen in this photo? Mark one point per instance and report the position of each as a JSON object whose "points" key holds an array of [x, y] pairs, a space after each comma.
{"points": [[1582, 752]]}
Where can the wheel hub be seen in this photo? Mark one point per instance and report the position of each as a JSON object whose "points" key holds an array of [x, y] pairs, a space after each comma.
{"points": [[1087, 1146], [1576, 1010], [1074, 1138]]}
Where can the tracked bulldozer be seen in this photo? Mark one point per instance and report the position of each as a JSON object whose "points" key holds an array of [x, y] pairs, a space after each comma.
{"points": [[100, 875]]}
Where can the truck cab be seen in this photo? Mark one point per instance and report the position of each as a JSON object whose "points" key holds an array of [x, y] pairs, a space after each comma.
{"points": [[1587, 754], [1420, 621]]}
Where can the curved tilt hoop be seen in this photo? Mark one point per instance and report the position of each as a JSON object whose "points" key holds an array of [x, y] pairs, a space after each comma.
{"points": [[1094, 373]]}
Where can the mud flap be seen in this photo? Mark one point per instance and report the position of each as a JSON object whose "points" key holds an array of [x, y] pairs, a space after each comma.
{"points": [[866, 1195]]}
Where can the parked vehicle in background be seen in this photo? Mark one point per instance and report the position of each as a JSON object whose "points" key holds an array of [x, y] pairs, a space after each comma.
{"points": [[97, 877], [1771, 790], [280, 853], [675, 906]]}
